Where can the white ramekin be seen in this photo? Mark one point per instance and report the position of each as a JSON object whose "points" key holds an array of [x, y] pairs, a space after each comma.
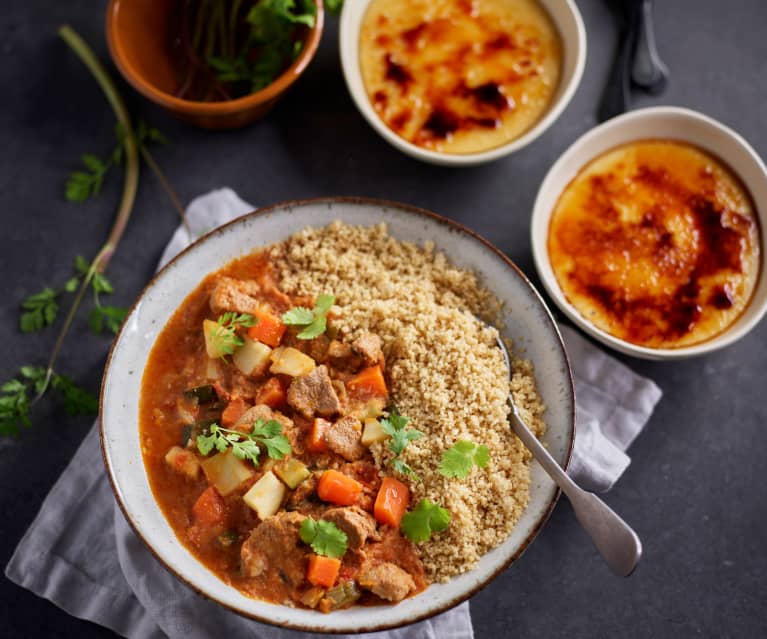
{"points": [[569, 23], [663, 122]]}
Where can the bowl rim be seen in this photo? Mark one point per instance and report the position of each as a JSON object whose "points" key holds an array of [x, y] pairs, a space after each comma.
{"points": [[348, 32], [541, 218], [416, 211], [223, 107]]}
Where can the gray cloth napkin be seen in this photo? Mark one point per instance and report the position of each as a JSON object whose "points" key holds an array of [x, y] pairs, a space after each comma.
{"points": [[81, 554]]}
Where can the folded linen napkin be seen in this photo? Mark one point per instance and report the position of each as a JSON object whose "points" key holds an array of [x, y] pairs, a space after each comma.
{"points": [[81, 554]]}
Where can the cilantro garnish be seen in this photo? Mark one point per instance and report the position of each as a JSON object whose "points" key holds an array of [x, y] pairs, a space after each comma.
{"points": [[314, 320], [224, 333], [394, 425], [461, 457], [246, 445], [324, 537], [423, 520]]}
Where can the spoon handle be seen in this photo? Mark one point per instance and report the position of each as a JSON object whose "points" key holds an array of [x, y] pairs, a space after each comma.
{"points": [[618, 544], [616, 97], [648, 71]]}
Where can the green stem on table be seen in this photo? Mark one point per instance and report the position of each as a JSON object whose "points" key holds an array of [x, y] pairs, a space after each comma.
{"points": [[149, 159], [130, 185]]}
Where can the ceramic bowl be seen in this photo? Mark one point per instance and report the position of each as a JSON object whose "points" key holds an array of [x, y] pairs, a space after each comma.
{"points": [[566, 18], [659, 123], [528, 323], [137, 35]]}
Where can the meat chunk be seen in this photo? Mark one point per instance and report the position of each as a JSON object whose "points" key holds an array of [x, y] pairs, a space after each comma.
{"points": [[230, 294], [313, 393], [386, 580], [262, 411], [275, 548], [355, 522], [368, 346], [343, 438], [341, 356], [305, 494]]}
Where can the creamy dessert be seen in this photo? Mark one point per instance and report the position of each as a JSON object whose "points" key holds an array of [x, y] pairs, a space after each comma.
{"points": [[656, 243], [459, 76]]}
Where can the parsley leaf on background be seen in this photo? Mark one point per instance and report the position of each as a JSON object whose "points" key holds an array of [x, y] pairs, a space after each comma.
{"points": [[425, 519], [461, 457], [324, 537], [40, 310]]}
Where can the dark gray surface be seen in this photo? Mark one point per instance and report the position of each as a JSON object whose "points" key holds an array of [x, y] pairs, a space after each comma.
{"points": [[694, 490]]}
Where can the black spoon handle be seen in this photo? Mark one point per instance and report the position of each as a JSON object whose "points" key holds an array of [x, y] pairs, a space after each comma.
{"points": [[648, 72], [616, 97]]}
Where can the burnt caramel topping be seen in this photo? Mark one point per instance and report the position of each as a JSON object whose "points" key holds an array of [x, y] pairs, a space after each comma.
{"points": [[713, 245], [455, 68]]}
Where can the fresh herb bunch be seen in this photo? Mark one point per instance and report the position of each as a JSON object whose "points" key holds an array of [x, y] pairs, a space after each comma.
{"points": [[395, 426], [324, 537], [246, 445], [313, 320], [426, 518], [458, 460], [231, 49]]}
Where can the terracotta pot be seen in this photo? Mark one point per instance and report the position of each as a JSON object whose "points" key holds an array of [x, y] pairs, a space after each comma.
{"points": [[139, 38]]}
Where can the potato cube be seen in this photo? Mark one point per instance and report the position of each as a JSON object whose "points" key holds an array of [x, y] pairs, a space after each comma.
{"points": [[291, 361], [266, 495], [252, 358]]}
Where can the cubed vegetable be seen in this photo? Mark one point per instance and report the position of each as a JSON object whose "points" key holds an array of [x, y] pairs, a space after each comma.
{"points": [[273, 393], [292, 471], [212, 370], [373, 432], [291, 361], [316, 442], [233, 411], [266, 495], [373, 407], [226, 472], [252, 358], [341, 596], [322, 571], [368, 382], [268, 329], [391, 502], [183, 461], [312, 597], [209, 509], [203, 394], [214, 347], [338, 489]]}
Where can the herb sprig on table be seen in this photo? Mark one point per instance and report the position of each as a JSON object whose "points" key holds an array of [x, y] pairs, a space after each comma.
{"points": [[40, 310]]}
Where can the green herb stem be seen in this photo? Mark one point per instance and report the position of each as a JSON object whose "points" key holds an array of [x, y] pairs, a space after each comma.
{"points": [[152, 164]]}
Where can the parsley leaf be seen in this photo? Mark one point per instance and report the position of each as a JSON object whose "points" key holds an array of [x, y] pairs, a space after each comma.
{"points": [[324, 537], [77, 401], [314, 321], [110, 316], [425, 519], [400, 436], [246, 445], [224, 334], [461, 457], [40, 310]]}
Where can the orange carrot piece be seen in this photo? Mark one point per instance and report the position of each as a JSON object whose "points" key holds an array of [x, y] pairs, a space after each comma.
{"points": [[369, 381], [209, 509], [273, 394], [322, 571], [316, 441], [268, 329], [338, 489], [233, 412], [391, 502]]}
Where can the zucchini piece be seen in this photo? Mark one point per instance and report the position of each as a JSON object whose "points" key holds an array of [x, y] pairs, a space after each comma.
{"points": [[340, 596], [203, 394], [373, 432], [190, 431], [226, 472], [287, 360], [292, 472], [266, 495], [252, 358]]}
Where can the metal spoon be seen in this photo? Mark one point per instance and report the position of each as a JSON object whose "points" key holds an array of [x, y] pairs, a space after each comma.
{"points": [[648, 70], [618, 544]]}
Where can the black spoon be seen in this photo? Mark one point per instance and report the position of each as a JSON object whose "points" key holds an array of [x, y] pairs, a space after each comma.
{"points": [[648, 71]]}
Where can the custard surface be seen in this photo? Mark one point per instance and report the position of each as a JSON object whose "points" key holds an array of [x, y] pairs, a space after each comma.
{"points": [[656, 243], [459, 76]]}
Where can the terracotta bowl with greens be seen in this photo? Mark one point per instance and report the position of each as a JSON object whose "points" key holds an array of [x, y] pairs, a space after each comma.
{"points": [[220, 64]]}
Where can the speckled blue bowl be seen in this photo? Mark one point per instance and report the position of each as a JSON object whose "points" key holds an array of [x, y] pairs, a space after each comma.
{"points": [[528, 323]]}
